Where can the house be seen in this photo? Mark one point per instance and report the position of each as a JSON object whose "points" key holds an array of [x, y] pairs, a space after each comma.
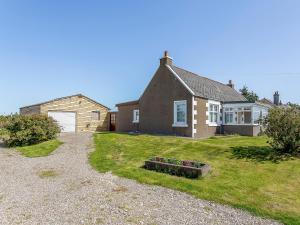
{"points": [[76, 113], [267, 102], [276, 102], [179, 102]]}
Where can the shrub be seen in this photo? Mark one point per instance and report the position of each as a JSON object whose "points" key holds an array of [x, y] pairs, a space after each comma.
{"points": [[2, 121], [29, 129], [283, 128], [3, 131]]}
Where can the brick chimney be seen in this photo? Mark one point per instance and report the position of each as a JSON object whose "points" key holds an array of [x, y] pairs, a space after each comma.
{"points": [[166, 59], [230, 84], [276, 98]]}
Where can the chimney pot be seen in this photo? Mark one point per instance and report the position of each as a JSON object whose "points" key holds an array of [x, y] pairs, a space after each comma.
{"points": [[166, 54], [230, 84], [166, 59], [276, 98]]}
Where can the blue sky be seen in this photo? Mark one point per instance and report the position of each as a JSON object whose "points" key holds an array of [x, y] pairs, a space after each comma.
{"points": [[109, 50]]}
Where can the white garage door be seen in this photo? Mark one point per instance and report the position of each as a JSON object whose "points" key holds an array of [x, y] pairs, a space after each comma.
{"points": [[66, 120]]}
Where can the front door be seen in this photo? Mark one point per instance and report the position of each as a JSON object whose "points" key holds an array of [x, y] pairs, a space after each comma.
{"points": [[112, 124]]}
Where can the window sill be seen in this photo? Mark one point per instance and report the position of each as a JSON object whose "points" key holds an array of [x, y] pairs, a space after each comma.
{"points": [[135, 121], [243, 124], [179, 125], [214, 125]]}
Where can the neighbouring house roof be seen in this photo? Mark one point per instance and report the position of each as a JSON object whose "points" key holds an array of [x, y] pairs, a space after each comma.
{"points": [[207, 88], [128, 103], [58, 99], [266, 101], [284, 106]]}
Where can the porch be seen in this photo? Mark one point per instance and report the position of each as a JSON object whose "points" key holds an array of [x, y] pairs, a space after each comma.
{"points": [[243, 118]]}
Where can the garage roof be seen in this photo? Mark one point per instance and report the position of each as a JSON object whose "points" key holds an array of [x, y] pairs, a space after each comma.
{"points": [[58, 99]]}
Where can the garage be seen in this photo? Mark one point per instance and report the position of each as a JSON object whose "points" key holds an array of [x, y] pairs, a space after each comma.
{"points": [[66, 120], [75, 113]]}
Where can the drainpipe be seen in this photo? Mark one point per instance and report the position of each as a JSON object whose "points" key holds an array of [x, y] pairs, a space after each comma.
{"points": [[193, 116]]}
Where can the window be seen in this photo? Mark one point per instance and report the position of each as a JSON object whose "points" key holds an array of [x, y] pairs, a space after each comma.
{"points": [[259, 114], [229, 115], [214, 111], [180, 113], [95, 115], [136, 116], [245, 114], [247, 117]]}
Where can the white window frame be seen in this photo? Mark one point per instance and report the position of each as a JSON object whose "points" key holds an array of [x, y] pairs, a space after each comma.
{"points": [[175, 122], [136, 116], [231, 111], [244, 107], [218, 123]]}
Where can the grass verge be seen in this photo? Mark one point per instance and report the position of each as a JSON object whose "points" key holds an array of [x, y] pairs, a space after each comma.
{"points": [[245, 174], [39, 150]]}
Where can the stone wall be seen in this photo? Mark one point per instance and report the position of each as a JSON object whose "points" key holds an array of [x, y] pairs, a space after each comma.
{"points": [[83, 108], [30, 110]]}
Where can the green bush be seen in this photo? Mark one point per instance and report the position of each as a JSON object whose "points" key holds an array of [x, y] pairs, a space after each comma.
{"points": [[29, 129], [2, 121], [3, 131], [283, 128]]}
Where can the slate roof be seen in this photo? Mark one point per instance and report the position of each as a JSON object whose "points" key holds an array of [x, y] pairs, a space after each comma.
{"points": [[267, 101], [128, 103], [207, 88]]}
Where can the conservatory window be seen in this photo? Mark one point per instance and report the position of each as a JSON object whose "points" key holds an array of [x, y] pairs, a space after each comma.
{"points": [[229, 115]]}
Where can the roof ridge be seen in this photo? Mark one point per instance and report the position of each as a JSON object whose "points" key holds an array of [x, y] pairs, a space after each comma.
{"points": [[61, 98]]}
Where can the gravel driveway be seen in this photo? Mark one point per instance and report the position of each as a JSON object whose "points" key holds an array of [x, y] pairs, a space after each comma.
{"points": [[63, 189]]}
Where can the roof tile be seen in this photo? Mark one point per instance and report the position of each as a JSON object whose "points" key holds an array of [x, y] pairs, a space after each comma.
{"points": [[207, 88]]}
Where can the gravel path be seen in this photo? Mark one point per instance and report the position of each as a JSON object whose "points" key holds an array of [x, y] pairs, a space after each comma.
{"points": [[63, 189]]}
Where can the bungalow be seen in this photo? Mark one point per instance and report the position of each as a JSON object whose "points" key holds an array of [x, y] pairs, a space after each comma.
{"points": [[179, 102]]}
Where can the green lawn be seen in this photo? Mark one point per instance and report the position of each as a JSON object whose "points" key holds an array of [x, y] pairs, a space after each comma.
{"points": [[38, 150], [245, 172]]}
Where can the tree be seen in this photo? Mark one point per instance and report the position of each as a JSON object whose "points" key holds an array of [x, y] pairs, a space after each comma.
{"points": [[282, 126], [294, 105], [249, 95]]}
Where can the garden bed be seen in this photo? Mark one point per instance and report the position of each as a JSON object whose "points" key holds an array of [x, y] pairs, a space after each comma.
{"points": [[185, 168]]}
